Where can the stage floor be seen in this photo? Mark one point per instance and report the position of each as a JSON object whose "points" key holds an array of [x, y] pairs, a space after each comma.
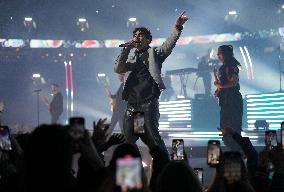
{"points": [[199, 137]]}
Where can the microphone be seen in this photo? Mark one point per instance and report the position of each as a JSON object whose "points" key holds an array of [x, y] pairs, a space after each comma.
{"points": [[124, 45], [127, 44], [37, 90]]}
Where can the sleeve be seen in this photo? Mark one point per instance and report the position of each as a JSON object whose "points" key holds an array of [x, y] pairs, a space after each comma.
{"points": [[121, 65], [166, 48], [232, 70], [57, 104]]}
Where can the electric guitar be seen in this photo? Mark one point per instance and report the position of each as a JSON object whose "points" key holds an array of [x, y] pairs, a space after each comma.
{"points": [[217, 91], [112, 100]]}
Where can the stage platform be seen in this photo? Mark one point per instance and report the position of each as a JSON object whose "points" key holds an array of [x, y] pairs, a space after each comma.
{"points": [[200, 138]]}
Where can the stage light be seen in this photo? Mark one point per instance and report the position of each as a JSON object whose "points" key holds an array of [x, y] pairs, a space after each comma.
{"points": [[83, 24], [29, 23], [132, 22], [132, 19], [28, 19], [101, 74], [36, 75], [102, 79], [82, 19], [233, 12], [71, 54], [231, 16], [282, 6]]}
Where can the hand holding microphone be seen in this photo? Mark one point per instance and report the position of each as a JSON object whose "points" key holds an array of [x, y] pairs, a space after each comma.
{"points": [[130, 44]]}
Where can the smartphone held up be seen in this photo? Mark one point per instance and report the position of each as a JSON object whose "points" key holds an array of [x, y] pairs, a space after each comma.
{"points": [[129, 173], [178, 149], [138, 123], [213, 152], [76, 127], [270, 139], [5, 141]]}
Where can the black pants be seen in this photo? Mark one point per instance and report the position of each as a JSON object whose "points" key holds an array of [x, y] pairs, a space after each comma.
{"points": [[55, 118], [117, 117], [151, 120], [206, 78], [231, 114]]}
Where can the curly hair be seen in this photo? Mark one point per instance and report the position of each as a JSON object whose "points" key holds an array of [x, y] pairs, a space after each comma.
{"points": [[144, 31]]}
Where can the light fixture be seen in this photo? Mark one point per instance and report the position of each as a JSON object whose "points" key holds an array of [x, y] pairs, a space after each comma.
{"points": [[101, 74], [82, 19], [132, 19], [231, 16], [36, 75], [28, 19], [102, 79], [29, 23], [233, 12], [83, 24], [132, 22]]}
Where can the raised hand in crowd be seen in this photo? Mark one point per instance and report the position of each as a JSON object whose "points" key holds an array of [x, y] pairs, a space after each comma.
{"points": [[114, 139], [100, 136], [89, 151]]}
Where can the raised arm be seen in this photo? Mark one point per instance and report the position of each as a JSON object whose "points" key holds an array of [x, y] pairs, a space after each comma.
{"points": [[166, 48]]}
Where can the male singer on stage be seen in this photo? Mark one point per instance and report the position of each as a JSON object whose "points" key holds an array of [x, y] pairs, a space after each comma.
{"points": [[143, 82], [56, 104]]}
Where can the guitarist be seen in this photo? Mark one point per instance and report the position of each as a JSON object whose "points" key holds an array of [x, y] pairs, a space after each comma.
{"points": [[117, 105], [204, 68], [230, 98], [55, 106]]}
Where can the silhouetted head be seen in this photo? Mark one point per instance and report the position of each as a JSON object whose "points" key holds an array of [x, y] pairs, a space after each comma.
{"points": [[178, 176], [123, 150], [49, 150], [48, 159]]}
